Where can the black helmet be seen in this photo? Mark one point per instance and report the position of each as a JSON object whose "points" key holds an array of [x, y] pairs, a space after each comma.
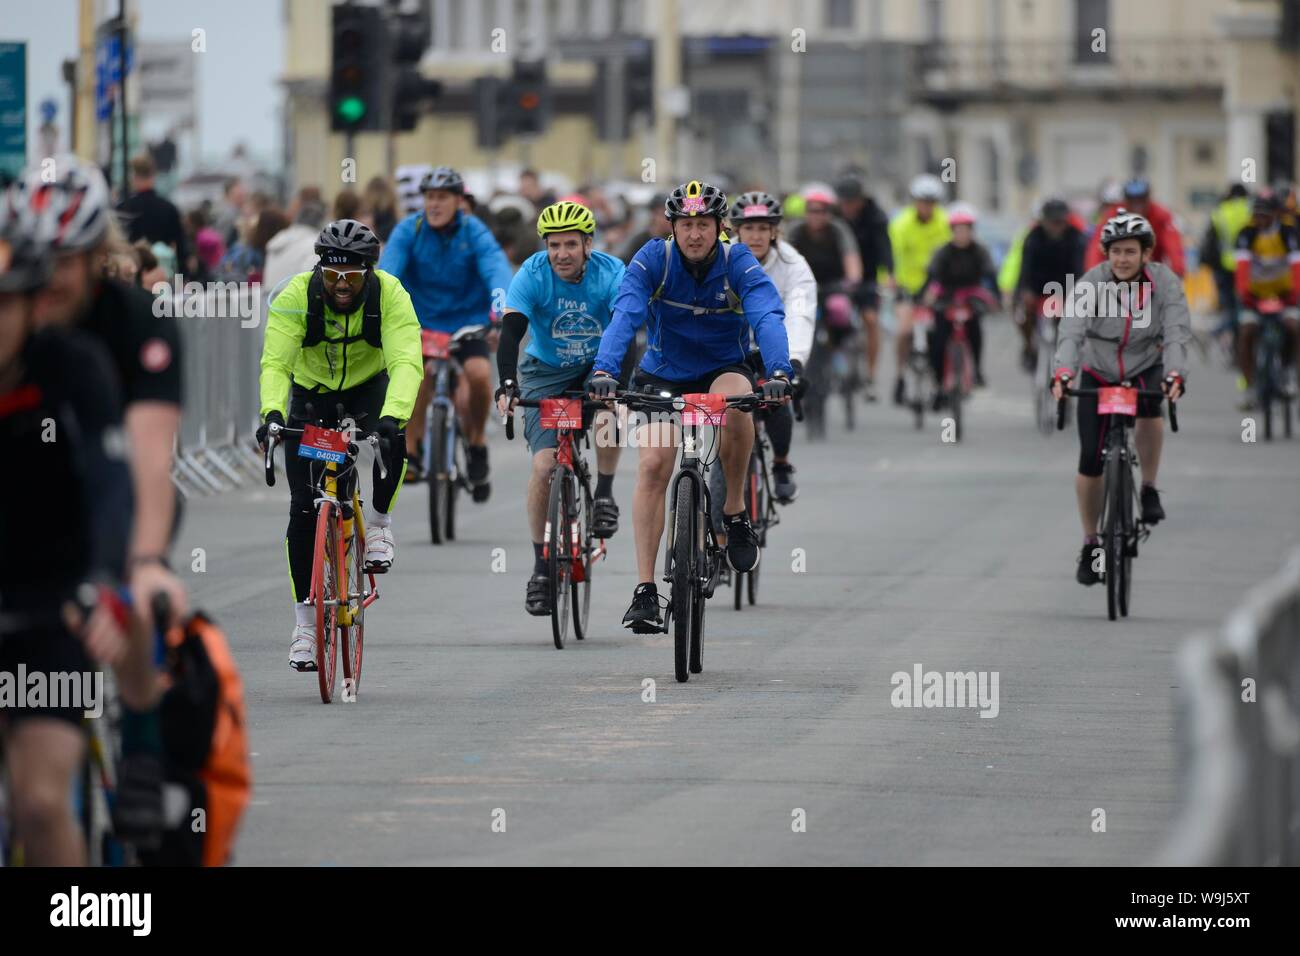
{"points": [[755, 206], [1055, 210], [1266, 202], [849, 187], [352, 241], [444, 177], [26, 259], [696, 199]]}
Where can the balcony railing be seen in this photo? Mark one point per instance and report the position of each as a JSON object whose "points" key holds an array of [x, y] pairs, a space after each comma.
{"points": [[994, 70]]}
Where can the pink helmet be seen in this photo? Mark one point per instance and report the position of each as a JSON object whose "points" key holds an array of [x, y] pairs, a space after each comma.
{"points": [[961, 214]]}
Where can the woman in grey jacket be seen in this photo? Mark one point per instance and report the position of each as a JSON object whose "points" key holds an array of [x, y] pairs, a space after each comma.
{"points": [[1125, 320]]}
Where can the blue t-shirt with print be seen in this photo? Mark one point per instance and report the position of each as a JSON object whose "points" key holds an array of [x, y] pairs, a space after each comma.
{"points": [[566, 319]]}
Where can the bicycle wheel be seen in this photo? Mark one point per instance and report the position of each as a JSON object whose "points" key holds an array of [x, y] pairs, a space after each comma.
{"points": [[954, 378], [325, 591], [1112, 531], [354, 636], [697, 631], [846, 390], [454, 479], [684, 576], [584, 566], [439, 472], [559, 559], [756, 502], [1044, 404], [1129, 533]]}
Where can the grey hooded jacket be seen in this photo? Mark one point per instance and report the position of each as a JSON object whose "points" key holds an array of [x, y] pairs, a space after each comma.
{"points": [[1113, 338]]}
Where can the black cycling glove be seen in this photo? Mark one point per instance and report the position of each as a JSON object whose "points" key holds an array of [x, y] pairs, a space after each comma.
{"points": [[265, 427], [775, 389], [602, 386]]}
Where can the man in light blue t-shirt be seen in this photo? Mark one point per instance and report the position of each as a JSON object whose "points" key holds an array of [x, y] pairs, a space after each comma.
{"points": [[563, 296]]}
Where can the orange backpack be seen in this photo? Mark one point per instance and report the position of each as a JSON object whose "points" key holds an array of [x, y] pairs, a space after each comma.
{"points": [[205, 743]]}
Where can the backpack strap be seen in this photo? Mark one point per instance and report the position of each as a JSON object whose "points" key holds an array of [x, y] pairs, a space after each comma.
{"points": [[733, 300], [315, 310], [371, 321]]}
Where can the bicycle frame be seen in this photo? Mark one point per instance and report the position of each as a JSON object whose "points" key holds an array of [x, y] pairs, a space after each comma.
{"points": [[566, 464], [347, 517]]}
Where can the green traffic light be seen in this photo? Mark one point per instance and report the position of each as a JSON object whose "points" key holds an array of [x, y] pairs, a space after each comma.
{"points": [[350, 109]]}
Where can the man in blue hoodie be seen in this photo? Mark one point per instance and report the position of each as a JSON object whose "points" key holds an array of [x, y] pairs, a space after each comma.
{"points": [[456, 275], [701, 298]]}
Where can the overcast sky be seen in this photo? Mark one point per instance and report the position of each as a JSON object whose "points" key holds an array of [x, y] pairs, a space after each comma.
{"points": [[239, 95]]}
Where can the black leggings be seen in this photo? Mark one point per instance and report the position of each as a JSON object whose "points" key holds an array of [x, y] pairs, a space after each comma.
{"points": [[363, 403], [943, 331], [1092, 431]]}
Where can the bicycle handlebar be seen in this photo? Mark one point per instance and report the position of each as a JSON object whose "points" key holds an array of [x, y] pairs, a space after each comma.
{"points": [[1141, 392], [275, 430], [509, 420]]}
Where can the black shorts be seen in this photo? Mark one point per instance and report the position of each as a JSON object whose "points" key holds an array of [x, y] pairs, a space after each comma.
{"points": [[643, 381], [1092, 432], [47, 650], [471, 348]]}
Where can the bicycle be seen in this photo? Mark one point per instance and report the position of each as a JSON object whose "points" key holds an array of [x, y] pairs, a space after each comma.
{"points": [[339, 590], [1269, 364], [838, 345], [692, 554], [1046, 330], [760, 503], [567, 544], [445, 449], [1121, 486]]}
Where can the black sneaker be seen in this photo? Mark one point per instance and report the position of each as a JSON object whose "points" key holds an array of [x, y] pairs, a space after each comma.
{"points": [[900, 393], [979, 380], [644, 616], [1029, 360], [1085, 575], [1151, 510], [477, 468], [783, 482], [742, 543], [537, 598], [604, 518]]}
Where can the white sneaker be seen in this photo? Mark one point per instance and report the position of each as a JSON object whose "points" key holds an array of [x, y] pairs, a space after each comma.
{"points": [[302, 650], [379, 549]]}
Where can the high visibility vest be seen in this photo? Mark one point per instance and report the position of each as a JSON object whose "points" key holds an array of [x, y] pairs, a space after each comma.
{"points": [[1229, 218]]}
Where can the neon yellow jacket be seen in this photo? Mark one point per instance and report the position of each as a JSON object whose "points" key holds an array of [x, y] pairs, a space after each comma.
{"points": [[1229, 218], [1009, 274], [338, 367], [914, 242]]}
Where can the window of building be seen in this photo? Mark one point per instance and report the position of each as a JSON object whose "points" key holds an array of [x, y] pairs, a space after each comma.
{"points": [[839, 14]]}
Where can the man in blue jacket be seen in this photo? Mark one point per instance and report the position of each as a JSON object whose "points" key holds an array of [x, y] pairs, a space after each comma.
{"points": [[701, 298], [456, 275]]}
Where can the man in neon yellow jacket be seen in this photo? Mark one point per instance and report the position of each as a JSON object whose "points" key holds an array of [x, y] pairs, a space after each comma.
{"points": [[915, 234], [343, 334]]}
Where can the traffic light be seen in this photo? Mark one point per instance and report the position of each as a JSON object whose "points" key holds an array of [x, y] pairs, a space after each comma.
{"points": [[359, 78], [528, 99], [411, 92]]}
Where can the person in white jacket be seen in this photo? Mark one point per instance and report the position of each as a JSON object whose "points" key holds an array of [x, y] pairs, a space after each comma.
{"points": [[293, 250], [756, 219]]}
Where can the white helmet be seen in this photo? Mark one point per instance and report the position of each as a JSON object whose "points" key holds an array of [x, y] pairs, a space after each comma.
{"points": [[1127, 225], [962, 213], [927, 186], [75, 201]]}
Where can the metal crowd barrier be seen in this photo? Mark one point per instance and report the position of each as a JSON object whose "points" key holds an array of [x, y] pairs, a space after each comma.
{"points": [[1241, 757], [221, 349]]}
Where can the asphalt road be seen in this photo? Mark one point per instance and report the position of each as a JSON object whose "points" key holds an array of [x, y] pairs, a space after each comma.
{"points": [[950, 557]]}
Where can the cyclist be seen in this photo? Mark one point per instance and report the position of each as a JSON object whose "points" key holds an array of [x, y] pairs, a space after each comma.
{"points": [[1052, 254], [915, 234], [62, 434], [144, 348], [756, 219], [870, 228], [345, 334], [831, 251], [701, 297], [1138, 335], [959, 267], [1268, 266], [1136, 199], [457, 275], [563, 296]]}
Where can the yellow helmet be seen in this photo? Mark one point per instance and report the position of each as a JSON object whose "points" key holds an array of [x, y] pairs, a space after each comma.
{"points": [[566, 216]]}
